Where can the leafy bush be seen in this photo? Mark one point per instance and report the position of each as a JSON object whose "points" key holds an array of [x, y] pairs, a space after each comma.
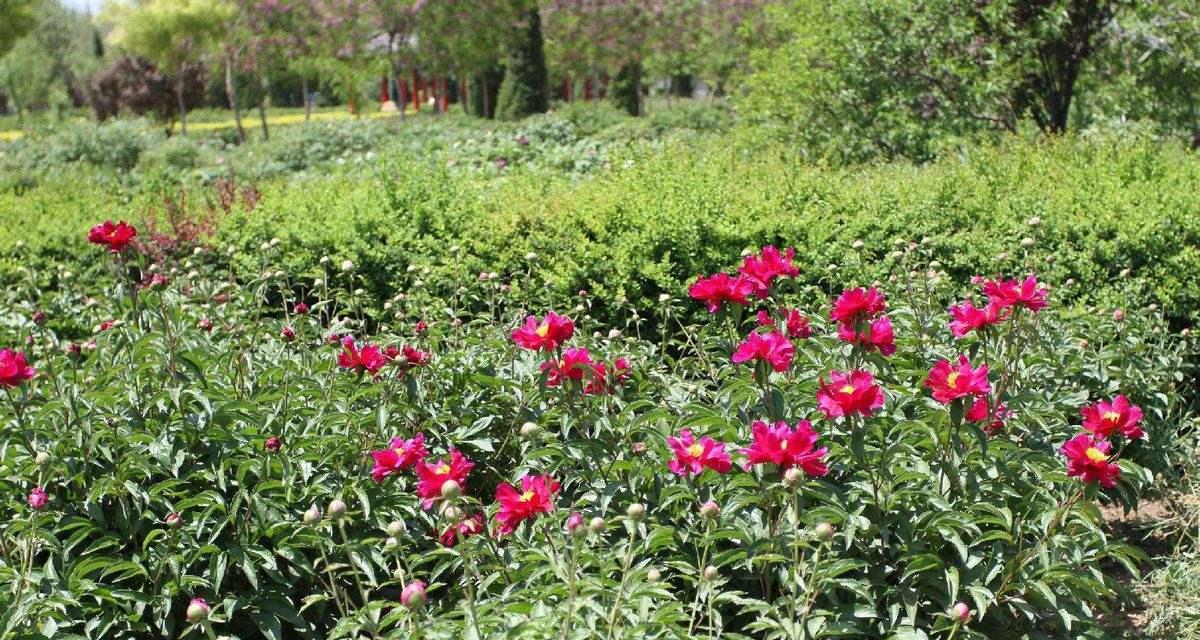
{"points": [[215, 444]]}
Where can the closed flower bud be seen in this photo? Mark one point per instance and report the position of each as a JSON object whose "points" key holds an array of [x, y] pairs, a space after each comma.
{"points": [[347, 265], [857, 244], [390, 544], [324, 260], [823, 531], [337, 509], [451, 489], [1027, 242], [711, 573], [272, 444], [1035, 221], [39, 317], [654, 575], [961, 612], [395, 528], [413, 595], [636, 511], [398, 575], [312, 515], [531, 256], [710, 510], [575, 526], [792, 476], [530, 430], [197, 611], [639, 448], [275, 242], [613, 334], [1118, 315], [173, 520], [288, 334], [664, 297], [43, 458], [492, 275], [452, 513], [596, 524]]}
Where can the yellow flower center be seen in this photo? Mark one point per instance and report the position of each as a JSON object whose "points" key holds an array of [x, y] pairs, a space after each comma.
{"points": [[1111, 416], [952, 379], [847, 389], [526, 497], [543, 329], [695, 450], [442, 469], [783, 445], [1095, 455]]}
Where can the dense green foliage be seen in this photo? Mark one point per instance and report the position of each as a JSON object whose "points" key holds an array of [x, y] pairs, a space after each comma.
{"points": [[162, 486], [857, 80]]}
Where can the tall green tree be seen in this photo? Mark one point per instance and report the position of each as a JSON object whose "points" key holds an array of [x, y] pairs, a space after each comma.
{"points": [[16, 19], [523, 91], [174, 34]]}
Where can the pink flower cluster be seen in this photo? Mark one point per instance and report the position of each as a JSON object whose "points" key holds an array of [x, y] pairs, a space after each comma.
{"points": [[755, 278]]}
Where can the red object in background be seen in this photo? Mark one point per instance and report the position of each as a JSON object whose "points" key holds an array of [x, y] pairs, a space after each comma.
{"points": [[383, 90], [416, 90], [443, 95], [566, 89], [587, 89]]}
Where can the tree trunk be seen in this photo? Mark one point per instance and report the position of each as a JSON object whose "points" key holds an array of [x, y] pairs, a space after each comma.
{"points": [[231, 95], [307, 104], [262, 105], [182, 105], [402, 92]]}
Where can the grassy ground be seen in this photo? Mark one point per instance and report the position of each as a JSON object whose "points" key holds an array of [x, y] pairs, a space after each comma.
{"points": [[199, 120]]}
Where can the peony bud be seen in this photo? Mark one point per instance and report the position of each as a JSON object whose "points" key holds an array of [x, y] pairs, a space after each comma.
{"points": [[173, 520], [390, 544], [575, 526], [451, 489], [197, 611], [710, 510], [961, 612], [596, 524], [413, 595], [395, 528], [1027, 242], [636, 511], [272, 444], [337, 509], [613, 334], [38, 499], [43, 458], [639, 448], [530, 430], [1118, 315], [654, 575], [288, 334], [324, 260], [823, 532], [857, 244], [347, 266], [711, 573], [398, 574], [312, 515], [793, 476], [1035, 221], [39, 317]]}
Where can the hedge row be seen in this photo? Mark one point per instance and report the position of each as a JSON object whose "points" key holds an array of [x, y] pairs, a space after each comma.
{"points": [[652, 222]]}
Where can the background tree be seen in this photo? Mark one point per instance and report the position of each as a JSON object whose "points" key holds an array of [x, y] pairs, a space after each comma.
{"points": [[47, 68], [18, 19], [523, 91], [174, 34]]}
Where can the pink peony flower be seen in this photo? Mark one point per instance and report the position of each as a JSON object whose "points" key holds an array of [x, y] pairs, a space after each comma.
{"points": [[368, 359], [762, 269], [547, 335], [115, 236], [951, 382], [847, 394], [720, 288], [1016, 293], [981, 410], [772, 348], [879, 336], [966, 317], [14, 371], [1106, 418], [456, 533], [1087, 458], [400, 456], [797, 324], [855, 305], [785, 447], [692, 457], [536, 497], [432, 475], [576, 363]]}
